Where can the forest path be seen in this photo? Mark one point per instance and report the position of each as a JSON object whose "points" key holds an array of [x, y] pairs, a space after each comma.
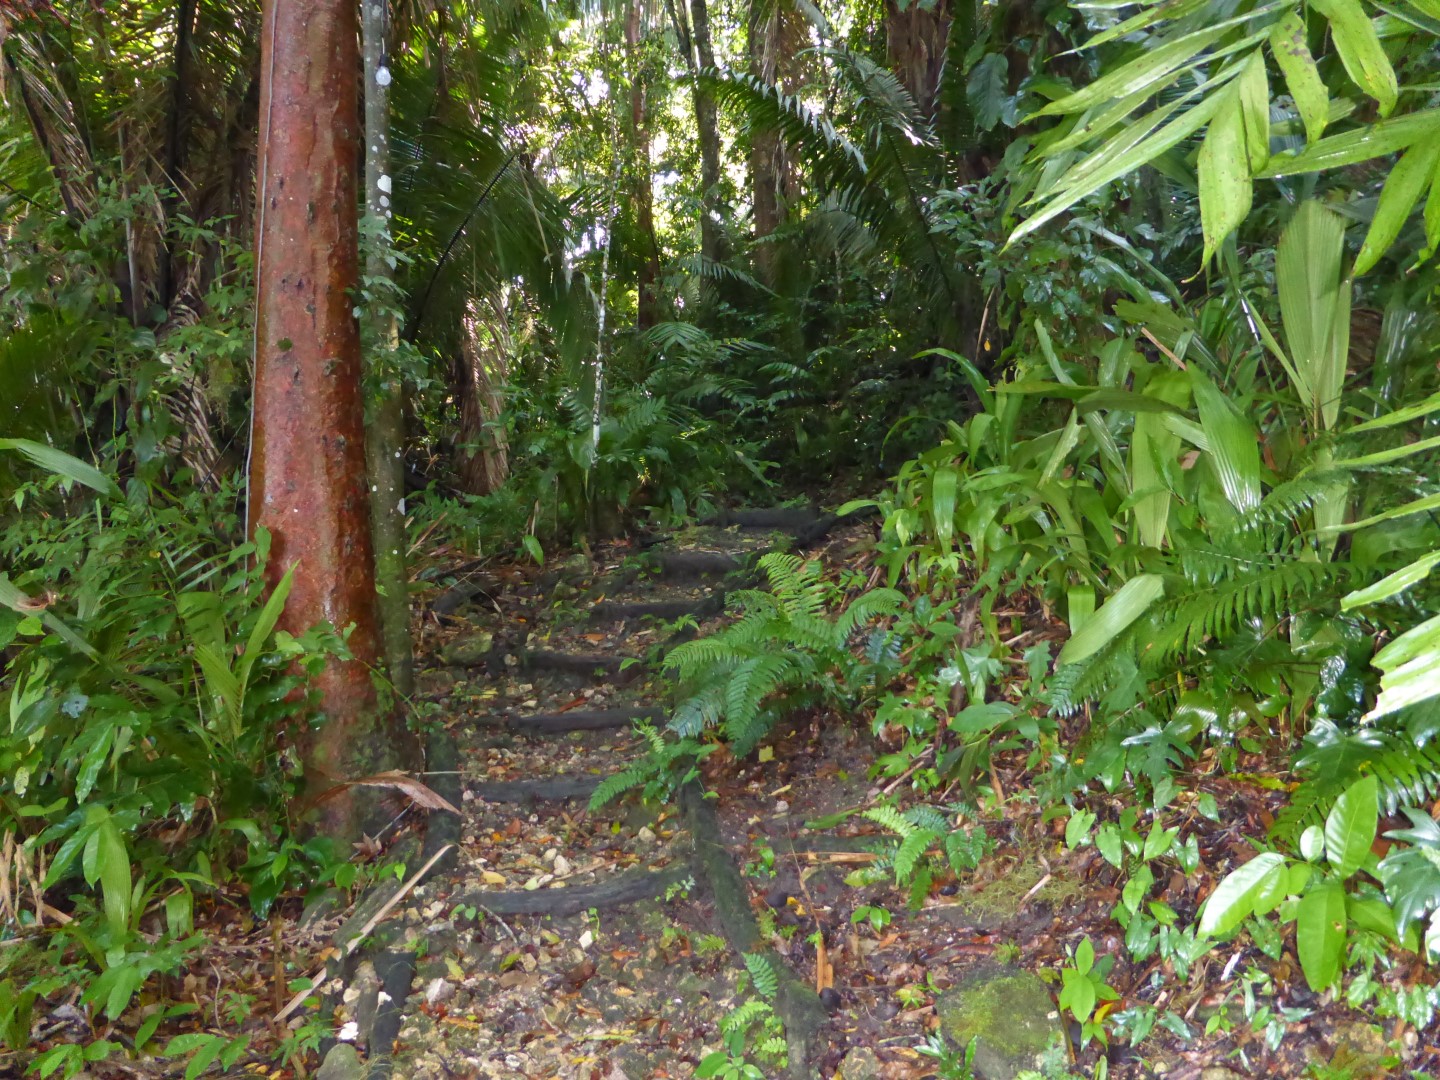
{"points": [[564, 942]]}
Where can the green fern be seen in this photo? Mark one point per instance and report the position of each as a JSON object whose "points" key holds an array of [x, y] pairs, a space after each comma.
{"points": [[783, 646], [762, 974], [1408, 774]]}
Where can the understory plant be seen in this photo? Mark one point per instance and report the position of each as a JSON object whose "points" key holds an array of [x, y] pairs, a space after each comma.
{"points": [[144, 772]]}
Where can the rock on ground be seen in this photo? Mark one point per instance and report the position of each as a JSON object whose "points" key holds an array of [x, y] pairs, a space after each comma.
{"points": [[1009, 1014]]}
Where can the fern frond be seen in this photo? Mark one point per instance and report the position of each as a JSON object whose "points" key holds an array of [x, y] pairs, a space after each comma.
{"points": [[767, 983], [911, 850], [890, 818]]}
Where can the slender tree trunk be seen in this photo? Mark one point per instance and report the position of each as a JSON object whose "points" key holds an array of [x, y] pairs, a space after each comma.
{"points": [[175, 146], [699, 53], [385, 436], [766, 153], [307, 468], [648, 278], [482, 458]]}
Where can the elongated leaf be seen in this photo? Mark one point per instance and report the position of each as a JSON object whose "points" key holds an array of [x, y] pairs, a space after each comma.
{"points": [[1315, 307], [1351, 824], [1233, 446], [942, 505], [1411, 666], [1234, 898], [1253, 88], [64, 465], [1353, 147], [1392, 584], [1432, 216], [1320, 934], [1128, 604], [1399, 416], [1116, 159], [1360, 50], [1403, 187], [1142, 73], [264, 626], [1395, 453], [1312, 101], [1225, 192], [1152, 445], [1149, 16]]}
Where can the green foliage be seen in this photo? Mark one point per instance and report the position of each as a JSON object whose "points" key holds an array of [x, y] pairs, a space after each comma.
{"points": [[147, 685], [781, 651]]}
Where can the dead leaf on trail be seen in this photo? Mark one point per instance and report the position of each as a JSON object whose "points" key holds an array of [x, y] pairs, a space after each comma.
{"points": [[419, 794]]}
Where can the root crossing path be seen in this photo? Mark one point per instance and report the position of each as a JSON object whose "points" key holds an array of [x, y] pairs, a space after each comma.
{"points": [[553, 941]]}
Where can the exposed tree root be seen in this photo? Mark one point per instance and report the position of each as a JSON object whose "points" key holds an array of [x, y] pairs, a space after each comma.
{"points": [[625, 888], [558, 788], [797, 1005], [689, 565], [582, 720], [603, 665], [620, 611]]}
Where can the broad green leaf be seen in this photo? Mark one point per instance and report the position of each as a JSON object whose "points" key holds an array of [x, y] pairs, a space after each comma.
{"points": [[1320, 934], [1152, 445], [1233, 445], [943, 486], [1350, 826], [1312, 101], [1315, 307], [1117, 613], [1403, 187], [1432, 216], [1392, 584], [1353, 147], [1411, 666], [1234, 898], [1253, 88], [1077, 829], [66, 466], [113, 864], [1360, 50], [1225, 190]]}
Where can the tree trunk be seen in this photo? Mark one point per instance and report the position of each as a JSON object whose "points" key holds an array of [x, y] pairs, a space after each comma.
{"points": [[915, 39], [307, 466], [767, 152], [385, 437], [648, 278], [699, 53], [482, 458]]}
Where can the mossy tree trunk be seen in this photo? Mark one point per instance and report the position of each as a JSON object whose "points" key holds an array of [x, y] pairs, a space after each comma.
{"points": [[385, 435]]}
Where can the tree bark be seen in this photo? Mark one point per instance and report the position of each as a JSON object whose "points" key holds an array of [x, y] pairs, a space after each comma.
{"points": [[768, 166], [307, 469], [482, 460], [699, 52], [915, 40], [648, 278], [384, 439]]}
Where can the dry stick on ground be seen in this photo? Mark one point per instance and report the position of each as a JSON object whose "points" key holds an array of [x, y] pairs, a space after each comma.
{"points": [[350, 944]]}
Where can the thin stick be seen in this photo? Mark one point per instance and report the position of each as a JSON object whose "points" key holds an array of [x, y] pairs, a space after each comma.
{"points": [[350, 944]]}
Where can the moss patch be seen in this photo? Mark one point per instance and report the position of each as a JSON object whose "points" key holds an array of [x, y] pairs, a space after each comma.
{"points": [[1007, 1012]]}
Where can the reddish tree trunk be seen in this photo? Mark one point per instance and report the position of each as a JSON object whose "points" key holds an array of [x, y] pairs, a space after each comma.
{"points": [[307, 471]]}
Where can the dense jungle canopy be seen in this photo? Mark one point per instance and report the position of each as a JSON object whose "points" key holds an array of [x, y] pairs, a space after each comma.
{"points": [[952, 484]]}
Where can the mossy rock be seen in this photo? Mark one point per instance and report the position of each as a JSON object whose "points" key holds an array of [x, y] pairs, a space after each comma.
{"points": [[1009, 1014], [468, 650]]}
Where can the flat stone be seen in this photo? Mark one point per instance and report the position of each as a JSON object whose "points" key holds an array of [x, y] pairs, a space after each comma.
{"points": [[342, 1063], [859, 1064], [1009, 1014]]}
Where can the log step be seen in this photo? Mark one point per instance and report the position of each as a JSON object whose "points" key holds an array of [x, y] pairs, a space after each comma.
{"points": [[583, 720]]}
